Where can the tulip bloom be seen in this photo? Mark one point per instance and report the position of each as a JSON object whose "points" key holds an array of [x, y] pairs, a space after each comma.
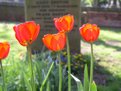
{"points": [[26, 32], [4, 50], [64, 23], [89, 32], [55, 42]]}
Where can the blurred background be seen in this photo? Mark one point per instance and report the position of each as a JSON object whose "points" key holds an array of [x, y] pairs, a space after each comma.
{"points": [[107, 50], [101, 12]]}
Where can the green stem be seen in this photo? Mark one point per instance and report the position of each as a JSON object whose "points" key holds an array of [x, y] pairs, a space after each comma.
{"points": [[69, 63], [3, 87], [91, 67], [48, 86], [43, 83], [60, 73], [31, 67]]}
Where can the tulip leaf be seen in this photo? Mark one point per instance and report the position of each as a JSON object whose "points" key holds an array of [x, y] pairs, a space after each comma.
{"points": [[86, 79], [79, 83], [48, 86], [27, 83], [93, 86], [0, 87]]}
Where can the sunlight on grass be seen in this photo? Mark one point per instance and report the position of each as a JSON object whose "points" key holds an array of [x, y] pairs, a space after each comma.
{"points": [[6, 31], [7, 34], [113, 35], [107, 51]]}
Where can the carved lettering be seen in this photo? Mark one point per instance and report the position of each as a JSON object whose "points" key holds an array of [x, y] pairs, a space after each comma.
{"points": [[43, 12]]}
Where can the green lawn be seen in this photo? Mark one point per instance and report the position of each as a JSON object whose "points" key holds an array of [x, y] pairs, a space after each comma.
{"points": [[7, 34], [107, 51]]}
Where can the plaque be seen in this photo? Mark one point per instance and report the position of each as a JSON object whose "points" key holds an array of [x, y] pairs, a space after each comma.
{"points": [[44, 11]]}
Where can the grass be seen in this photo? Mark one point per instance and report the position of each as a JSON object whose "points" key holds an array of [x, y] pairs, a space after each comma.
{"points": [[12, 64], [107, 51], [7, 34], [17, 73]]}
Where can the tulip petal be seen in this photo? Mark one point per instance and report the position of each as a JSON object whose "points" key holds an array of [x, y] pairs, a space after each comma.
{"points": [[19, 35], [47, 40], [62, 40], [36, 33], [26, 32], [89, 32], [55, 42], [4, 50], [64, 23]]}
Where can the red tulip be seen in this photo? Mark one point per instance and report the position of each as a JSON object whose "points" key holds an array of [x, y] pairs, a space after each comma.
{"points": [[64, 23], [55, 42], [4, 50], [26, 32], [89, 32]]}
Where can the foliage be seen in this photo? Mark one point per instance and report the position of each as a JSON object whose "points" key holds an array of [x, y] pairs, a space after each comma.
{"points": [[14, 65], [77, 62], [86, 3], [107, 60], [77, 65]]}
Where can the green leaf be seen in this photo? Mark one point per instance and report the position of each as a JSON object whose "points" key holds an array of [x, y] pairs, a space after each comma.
{"points": [[0, 88], [48, 86], [27, 83], [93, 86], [86, 79], [46, 77], [79, 84]]}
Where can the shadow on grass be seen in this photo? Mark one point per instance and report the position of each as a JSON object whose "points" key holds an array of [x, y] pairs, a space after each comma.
{"points": [[109, 44], [109, 81], [117, 30], [105, 80]]}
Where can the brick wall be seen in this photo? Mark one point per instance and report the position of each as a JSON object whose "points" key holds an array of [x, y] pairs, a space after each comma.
{"points": [[11, 12], [102, 17]]}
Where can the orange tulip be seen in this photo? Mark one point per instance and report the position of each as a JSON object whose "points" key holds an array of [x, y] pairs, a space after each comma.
{"points": [[89, 32], [26, 32], [55, 42], [64, 23], [4, 50]]}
